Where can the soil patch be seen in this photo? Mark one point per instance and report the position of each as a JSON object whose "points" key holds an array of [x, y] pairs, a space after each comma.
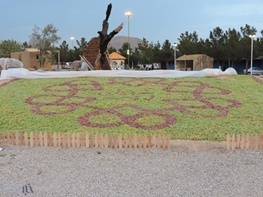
{"points": [[6, 81], [258, 79], [225, 77], [198, 146]]}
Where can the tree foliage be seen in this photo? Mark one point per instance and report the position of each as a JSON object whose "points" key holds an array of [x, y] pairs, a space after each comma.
{"points": [[9, 46], [227, 46], [44, 40], [64, 52], [80, 48], [111, 49], [167, 53], [146, 51]]}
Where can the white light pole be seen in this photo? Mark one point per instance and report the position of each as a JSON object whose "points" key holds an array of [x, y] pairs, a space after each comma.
{"points": [[128, 14], [175, 45], [72, 40], [251, 62]]}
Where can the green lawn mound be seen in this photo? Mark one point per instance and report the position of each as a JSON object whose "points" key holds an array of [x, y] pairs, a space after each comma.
{"points": [[185, 108]]}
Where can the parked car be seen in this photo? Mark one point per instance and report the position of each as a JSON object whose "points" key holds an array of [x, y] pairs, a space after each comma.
{"points": [[255, 71]]}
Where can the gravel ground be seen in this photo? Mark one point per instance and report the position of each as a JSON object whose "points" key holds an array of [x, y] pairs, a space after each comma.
{"points": [[49, 171]]}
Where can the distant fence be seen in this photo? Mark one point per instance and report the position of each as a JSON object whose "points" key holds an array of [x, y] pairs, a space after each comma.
{"points": [[84, 140], [244, 142]]}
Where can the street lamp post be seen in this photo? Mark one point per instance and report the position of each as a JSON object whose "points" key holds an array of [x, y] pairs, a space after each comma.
{"points": [[58, 67], [128, 14], [72, 40], [175, 45], [251, 61]]}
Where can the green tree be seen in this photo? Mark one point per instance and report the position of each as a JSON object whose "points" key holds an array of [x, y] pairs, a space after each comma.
{"points": [[111, 49], [9, 46], [64, 51], [189, 43], [232, 52], [146, 52], [44, 40], [167, 53], [80, 48], [25, 45], [123, 52], [135, 57], [157, 53], [217, 40], [259, 47], [246, 42], [205, 46]]}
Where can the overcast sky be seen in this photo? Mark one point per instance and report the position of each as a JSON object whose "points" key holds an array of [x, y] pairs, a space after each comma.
{"points": [[155, 20]]}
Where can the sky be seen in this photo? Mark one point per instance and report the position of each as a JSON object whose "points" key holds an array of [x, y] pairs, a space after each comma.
{"points": [[154, 20]]}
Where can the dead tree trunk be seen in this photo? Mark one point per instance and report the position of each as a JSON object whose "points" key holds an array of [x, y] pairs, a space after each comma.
{"points": [[102, 61]]}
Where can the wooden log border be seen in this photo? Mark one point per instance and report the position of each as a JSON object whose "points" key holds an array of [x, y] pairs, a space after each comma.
{"points": [[77, 140], [244, 142]]}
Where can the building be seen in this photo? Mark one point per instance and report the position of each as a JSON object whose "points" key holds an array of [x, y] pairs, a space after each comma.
{"points": [[30, 58], [194, 62], [117, 58]]}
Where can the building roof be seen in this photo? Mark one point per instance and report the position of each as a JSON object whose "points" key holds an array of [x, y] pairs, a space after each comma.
{"points": [[31, 50], [116, 56], [190, 57]]}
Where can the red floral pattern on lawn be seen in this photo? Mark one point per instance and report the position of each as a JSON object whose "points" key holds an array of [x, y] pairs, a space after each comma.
{"points": [[61, 95], [199, 95], [129, 120], [70, 91]]}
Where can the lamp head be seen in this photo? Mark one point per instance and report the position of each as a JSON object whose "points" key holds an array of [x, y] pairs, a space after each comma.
{"points": [[128, 13]]}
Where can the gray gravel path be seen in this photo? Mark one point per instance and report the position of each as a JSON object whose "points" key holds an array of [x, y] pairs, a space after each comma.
{"points": [[39, 171]]}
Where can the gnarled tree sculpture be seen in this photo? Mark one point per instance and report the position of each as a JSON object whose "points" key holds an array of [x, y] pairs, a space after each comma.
{"points": [[102, 61]]}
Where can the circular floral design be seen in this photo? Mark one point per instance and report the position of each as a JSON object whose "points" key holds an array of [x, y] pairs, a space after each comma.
{"points": [[198, 99]]}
